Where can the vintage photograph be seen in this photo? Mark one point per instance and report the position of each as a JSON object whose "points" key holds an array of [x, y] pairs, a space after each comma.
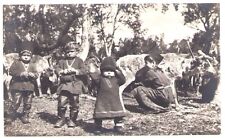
{"points": [[125, 69]]}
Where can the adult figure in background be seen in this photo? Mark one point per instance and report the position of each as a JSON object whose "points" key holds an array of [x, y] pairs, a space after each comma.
{"points": [[154, 90]]}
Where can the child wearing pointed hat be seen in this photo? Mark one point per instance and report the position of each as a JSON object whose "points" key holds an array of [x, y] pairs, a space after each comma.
{"points": [[109, 104]]}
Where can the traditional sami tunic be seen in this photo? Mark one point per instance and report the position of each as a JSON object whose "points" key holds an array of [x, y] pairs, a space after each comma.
{"points": [[155, 85], [109, 101], [18, 82], [71, 82]]}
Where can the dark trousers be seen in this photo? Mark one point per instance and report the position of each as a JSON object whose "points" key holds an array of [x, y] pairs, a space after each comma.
{"points": [[65, 97], [149, 98], [18, 97]]}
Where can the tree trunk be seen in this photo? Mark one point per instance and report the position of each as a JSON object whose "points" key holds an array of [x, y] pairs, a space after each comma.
{"points": [[84, 39], [207, 48]]}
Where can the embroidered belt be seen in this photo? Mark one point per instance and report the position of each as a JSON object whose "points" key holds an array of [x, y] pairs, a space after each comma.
{"points": [[68, 78]]}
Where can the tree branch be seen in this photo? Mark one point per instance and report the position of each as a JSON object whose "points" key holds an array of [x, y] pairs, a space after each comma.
{"points": [[63, 32], [114, 28]]}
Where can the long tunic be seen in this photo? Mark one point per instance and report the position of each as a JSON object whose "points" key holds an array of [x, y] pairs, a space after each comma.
{"points": [[155, 84], [20, 83], [109, 101], [71, 82]]}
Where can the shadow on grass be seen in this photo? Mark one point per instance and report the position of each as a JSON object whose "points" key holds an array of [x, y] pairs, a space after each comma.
{"points": [[50, 118], [90, 127], [87, 126], [134, 108]]}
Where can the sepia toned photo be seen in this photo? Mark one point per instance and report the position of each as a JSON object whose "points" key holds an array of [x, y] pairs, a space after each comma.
{"points": [[125, 69]]}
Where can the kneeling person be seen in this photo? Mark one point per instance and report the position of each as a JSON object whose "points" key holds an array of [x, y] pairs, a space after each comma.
{"points": [[155, 91]]}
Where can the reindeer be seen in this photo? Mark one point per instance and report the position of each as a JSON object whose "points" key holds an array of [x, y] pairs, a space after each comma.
{"points": [[42, 65], [92, 65], [48, 77]]}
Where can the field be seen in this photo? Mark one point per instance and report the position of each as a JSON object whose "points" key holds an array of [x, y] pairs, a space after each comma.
{"points": [[194, 118]]}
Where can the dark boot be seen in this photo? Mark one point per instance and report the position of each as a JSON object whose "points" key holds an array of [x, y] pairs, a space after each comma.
{"points": [[11, 114], [61, 114], [26, 112], [119, 125], [72, 118], [98, 126], [25, 118], [70, 123], [11, 117]]}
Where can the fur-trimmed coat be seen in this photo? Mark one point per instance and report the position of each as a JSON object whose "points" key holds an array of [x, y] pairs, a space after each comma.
{"points": [[109, 102], [21, 83], [155, 84], [71, 82]]}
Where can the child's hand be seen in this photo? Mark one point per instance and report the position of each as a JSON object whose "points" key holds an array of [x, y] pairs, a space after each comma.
{"points": [[72, 70], [32, 75], [63, 72], [118, 71], [109, 73], [69, 70], [24, 74]]}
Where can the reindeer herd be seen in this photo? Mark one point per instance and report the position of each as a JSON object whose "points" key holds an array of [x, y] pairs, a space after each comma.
{"points": [[200, 75]]}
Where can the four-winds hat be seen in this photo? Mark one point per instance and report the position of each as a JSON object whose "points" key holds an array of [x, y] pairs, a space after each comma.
{"points": [[26, 46], [71, 46], [108, 63], [154, 56]]}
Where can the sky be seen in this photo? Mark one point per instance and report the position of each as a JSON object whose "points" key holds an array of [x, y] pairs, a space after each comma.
{"points": [[169, 24]]}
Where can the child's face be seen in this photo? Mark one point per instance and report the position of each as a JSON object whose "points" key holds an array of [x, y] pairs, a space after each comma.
{"points": [[71, 54], [26, 57], [109, 73]]}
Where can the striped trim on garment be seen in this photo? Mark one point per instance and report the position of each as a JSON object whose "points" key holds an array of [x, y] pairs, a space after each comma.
{"points": [[110, 112]]}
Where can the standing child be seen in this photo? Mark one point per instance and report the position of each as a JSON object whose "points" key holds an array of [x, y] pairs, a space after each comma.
{"points": [[109, 104], [24, 75], [69, 70]]}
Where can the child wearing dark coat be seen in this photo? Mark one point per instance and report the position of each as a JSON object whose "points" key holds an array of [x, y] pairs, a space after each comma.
{"points": [[22, 85], [109, 104], [70, 70]]}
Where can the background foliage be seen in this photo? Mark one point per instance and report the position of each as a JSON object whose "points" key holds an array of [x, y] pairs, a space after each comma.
{"points": [[50, 26]]}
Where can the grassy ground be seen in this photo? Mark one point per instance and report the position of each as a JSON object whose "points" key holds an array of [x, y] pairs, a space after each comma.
{"points": [[194, 119]]}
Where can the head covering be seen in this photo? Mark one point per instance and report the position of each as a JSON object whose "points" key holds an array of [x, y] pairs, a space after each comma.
{"points": [[26, 46], [71, 46], [154, 56], [64, 40], [108, 63]]}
